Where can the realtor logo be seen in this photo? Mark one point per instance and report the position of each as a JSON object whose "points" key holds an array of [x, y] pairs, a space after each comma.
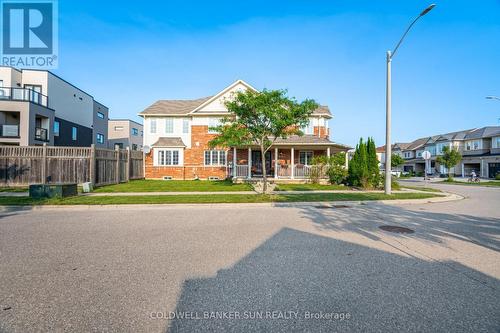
{"points": [[29, 33]]}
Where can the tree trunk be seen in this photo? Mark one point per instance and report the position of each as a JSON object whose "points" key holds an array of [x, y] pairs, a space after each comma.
{"points": [[264, 171]]}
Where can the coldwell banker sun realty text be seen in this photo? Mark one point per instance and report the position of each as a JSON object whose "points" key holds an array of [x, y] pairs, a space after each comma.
{"points": [[29, 37]]}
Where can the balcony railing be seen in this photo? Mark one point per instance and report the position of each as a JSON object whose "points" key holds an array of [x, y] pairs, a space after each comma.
{"points": [[41, 134], [23, 94], [9, 131]]}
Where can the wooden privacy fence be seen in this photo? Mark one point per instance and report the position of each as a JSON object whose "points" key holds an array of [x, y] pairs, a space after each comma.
{"points": [[58, 165]]}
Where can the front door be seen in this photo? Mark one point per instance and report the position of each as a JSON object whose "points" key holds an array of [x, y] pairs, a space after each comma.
{"points": [[257, 163]]}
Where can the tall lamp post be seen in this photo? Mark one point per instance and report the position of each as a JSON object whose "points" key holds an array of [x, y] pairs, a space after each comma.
{"points": [[388, 148], [498, 99]]}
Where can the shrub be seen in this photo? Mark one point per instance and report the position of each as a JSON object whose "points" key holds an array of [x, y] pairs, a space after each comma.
{"points": [[497, 177]]}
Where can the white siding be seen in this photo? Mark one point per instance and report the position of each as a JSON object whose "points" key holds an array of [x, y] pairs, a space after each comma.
{"points": [[150, 139]]}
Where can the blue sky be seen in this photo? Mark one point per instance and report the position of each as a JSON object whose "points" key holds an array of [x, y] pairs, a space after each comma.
{"points": [[132, 54]]}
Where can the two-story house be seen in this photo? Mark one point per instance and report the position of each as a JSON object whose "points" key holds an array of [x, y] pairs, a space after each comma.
{"points": [[125, 133], [37, 107], [177, 135]]}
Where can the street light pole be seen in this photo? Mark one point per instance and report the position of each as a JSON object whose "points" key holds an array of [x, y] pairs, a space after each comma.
{"points": [[388, 147], [496, 98]]}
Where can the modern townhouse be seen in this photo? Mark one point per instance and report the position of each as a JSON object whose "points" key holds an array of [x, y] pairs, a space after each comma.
{"points": [[125, 133], [480, 149], [37, 107], [177, 133]]}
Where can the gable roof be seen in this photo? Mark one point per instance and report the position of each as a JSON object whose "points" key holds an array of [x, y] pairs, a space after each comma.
{"points": [[484, 132], [191, 106], [174, 107]]}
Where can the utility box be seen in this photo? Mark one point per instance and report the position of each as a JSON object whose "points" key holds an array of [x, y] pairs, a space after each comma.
{"points": [[87, 187], [53, 190]]}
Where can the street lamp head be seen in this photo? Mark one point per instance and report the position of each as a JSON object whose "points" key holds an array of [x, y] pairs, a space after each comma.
{"points": [[428, 9]]}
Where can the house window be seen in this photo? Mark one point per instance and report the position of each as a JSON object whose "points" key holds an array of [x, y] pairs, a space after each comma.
{"points": [[100, 115], [185, 125], [305, 157], [118, 128], [134, 146], [496, 142], [74, 133], [100, 138], [56, 128], [473, 145], [119, 145], [152, 128], [167, 157], [309, 129], [169, 125], [440, 146], [33, 93], [213, 122], [215, 157], [135, 132]]}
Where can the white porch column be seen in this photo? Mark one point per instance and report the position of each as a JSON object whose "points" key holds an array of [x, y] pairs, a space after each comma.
{"points": [[328, 152], [276, 162], [249, 163], [292, 161], [347, 160], [463, 170], [234, 161]]}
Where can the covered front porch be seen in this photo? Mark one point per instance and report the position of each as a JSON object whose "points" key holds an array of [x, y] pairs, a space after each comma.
{"points": [[282, 162]]}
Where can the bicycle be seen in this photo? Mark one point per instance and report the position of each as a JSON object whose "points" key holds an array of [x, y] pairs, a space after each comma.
{"points": [[473, 179]]}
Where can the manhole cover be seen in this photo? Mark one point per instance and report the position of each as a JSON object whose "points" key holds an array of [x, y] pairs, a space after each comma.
{"points": [[333, 206], [396, 229]]}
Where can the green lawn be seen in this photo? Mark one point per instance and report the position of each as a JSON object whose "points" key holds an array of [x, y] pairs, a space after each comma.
{"points": [[492, 183], [174, 186], [13, 189], [309, 187], [421, 188], [216, 198]]}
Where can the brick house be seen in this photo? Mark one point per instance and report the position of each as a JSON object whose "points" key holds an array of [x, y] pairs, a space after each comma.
{"points": [[176, 137]]}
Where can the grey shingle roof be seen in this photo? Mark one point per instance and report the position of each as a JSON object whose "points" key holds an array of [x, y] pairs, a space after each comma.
{"points": [[169, 142], [484, 132], [182, 107], [173, 107], [307, 139]]}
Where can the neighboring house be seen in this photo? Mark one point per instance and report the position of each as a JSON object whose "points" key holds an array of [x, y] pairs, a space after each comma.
{"points": [[480, 149], [176, 134], [125, 133], [37, 107]]}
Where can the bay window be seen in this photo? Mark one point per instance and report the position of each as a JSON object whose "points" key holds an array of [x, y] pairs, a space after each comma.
{"points": [[167, 157]]}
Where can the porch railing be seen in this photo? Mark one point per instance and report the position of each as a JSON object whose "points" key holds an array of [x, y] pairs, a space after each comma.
{"points": [[241, 171], [300, 171]]}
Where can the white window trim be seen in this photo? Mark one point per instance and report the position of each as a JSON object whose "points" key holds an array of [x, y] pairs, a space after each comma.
{"points": [[169, 124], [185, 126], [213, 122], [223, 152], [156, 161], [153, 126]]}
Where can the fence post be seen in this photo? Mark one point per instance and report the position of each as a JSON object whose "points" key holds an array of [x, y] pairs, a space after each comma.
{"points": [[127, 174], [44, 163], [117, 171], [92, 164]]}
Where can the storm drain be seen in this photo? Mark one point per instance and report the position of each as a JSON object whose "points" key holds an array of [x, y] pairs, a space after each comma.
{"points": [[333, 206], [396, 229]]}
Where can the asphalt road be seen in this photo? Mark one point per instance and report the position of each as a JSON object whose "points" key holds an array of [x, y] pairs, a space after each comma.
{"points": [[254, 268]]}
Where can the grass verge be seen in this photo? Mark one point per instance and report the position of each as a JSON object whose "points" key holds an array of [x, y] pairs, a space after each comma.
{"points": [[13, 189], [310, 187], [216, 198], [421, 188], [150, 185]]}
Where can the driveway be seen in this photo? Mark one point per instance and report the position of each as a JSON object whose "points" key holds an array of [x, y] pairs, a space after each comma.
{"points": [[254, 267]]}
